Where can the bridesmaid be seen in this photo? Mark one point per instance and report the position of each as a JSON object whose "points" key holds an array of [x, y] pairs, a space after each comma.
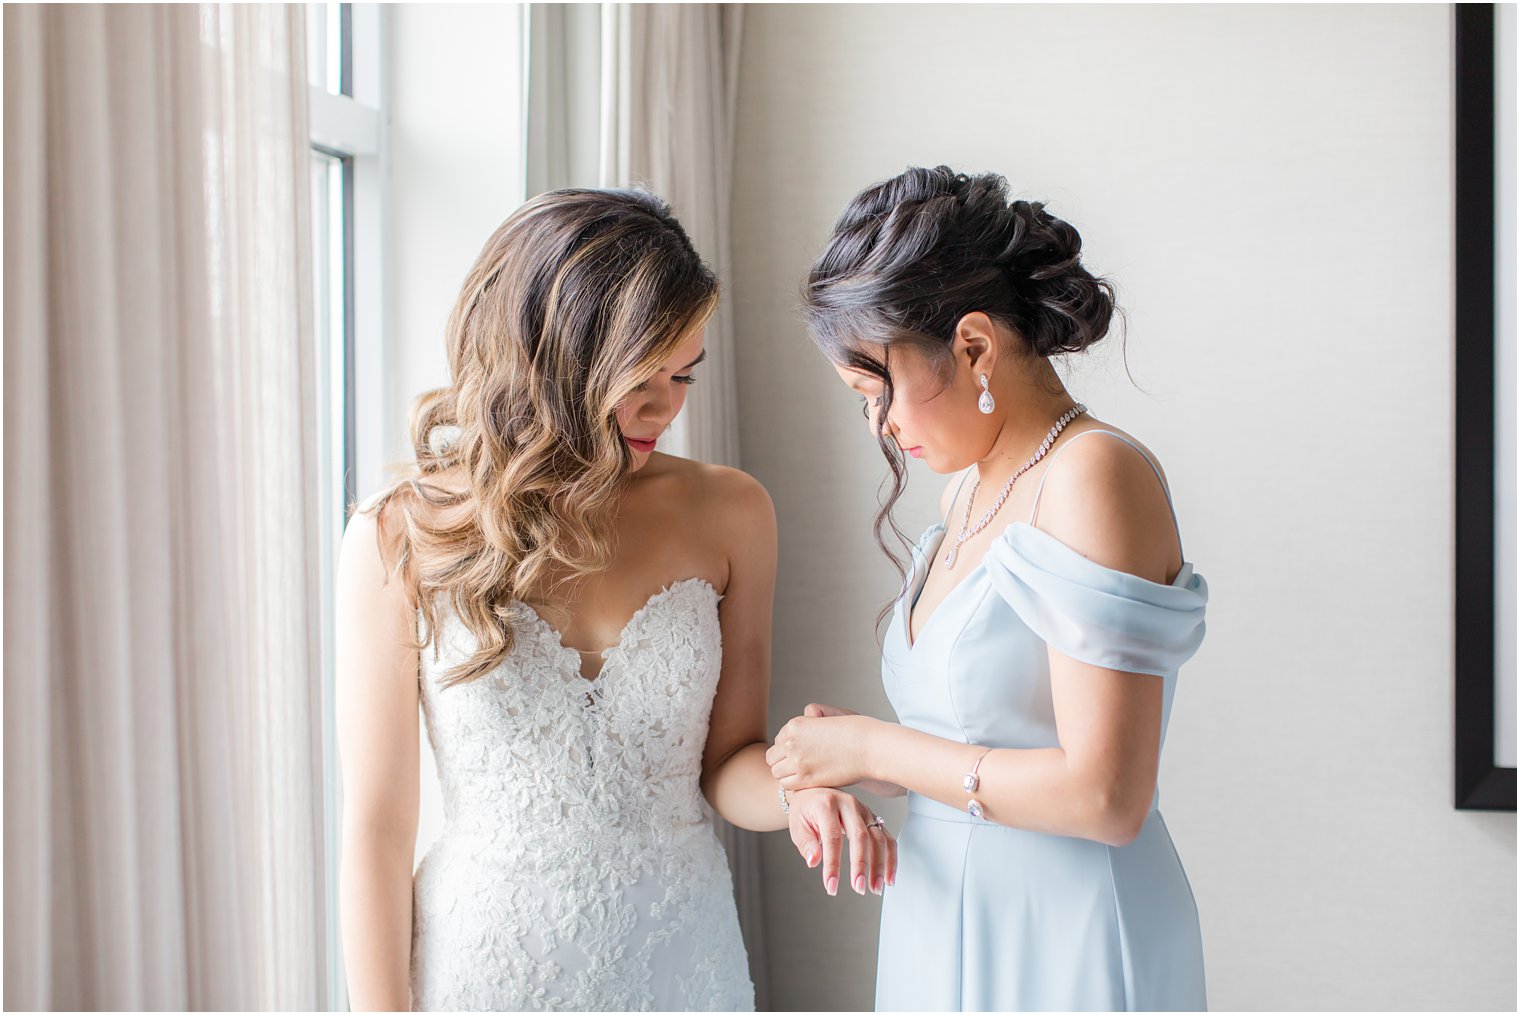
{"points": [[1033, 653]]}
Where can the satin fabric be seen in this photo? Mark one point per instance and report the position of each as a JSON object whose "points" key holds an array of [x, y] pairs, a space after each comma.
{"points": [[986, 917]]}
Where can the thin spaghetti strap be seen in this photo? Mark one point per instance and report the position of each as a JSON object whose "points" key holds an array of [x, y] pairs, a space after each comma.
{"points": [[1041, 488], [961, 486]]}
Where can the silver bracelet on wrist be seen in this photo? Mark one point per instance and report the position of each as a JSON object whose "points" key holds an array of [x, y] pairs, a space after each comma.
{"points": [[971, 783], [786, 805]]}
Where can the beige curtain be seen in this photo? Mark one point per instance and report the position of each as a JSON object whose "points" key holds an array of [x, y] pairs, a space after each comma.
{"points": [[162, 744], [643, 94], [667, 77], [669, 82]]}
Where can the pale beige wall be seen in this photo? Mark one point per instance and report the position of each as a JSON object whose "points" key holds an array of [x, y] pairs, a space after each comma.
{"points": [[455, 130], [1271, 187], [455, 134]]}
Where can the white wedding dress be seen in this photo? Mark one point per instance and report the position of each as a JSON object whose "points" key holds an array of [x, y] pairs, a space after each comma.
{"points": [[578, 868]]}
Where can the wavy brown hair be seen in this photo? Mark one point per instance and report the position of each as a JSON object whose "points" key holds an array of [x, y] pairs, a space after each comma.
{"points": [[575, 301]]}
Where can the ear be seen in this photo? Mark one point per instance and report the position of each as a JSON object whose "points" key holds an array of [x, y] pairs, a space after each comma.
{"points": [[976, 344]]}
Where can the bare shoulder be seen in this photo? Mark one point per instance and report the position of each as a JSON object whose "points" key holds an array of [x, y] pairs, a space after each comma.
{"points": [[719, 491], [741, 493], [361, 537], [1102, 498], [1128, 455], [366, 557], [374, 539]]}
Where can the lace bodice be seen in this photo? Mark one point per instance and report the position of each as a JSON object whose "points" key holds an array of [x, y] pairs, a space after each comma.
{"points": [[578, 867]]}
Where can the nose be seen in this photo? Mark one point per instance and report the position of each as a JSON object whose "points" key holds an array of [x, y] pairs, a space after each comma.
{"points": [[657, 402]]}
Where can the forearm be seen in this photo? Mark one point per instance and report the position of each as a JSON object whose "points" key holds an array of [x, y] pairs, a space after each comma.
{"points": [[743, 790], [1039, 789], [376, 904]]}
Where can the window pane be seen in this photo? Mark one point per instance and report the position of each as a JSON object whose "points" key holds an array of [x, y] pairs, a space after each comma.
{"points": [[329, 302], [324, 46]]}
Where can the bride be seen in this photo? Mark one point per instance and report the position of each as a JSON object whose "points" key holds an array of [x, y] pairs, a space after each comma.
{"points": [[585, 623]]}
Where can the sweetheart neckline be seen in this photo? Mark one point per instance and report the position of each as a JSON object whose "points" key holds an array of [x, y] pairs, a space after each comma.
{"points": [[576, 654]]}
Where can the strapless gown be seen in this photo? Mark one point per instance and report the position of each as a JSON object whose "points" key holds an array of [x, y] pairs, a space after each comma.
{"points": [[578, 867], [984, 917]]}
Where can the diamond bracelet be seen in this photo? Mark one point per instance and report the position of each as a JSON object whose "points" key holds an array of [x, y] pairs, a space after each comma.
{"points": [[971, 783]]}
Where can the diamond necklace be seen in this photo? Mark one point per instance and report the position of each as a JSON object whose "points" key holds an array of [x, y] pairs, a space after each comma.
{"points": [[967, 533]]}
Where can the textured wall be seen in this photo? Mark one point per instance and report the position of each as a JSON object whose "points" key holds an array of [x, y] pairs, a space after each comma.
{"points": [[1272, 189]]}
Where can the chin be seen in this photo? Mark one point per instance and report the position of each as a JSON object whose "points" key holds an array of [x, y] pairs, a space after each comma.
{"points": [[935, 464]]}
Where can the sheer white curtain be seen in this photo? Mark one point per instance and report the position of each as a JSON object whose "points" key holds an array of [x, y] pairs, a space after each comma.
{"points": [[162, 761]]}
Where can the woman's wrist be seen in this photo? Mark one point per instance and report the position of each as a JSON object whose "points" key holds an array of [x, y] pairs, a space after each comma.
{"points": [[875, 752], [795, 795]]}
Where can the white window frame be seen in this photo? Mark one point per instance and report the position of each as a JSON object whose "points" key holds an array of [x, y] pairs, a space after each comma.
{"points": [[352, 128]]}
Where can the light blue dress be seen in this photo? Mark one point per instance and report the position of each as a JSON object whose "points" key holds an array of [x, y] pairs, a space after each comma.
{"points": [[990, 918]]}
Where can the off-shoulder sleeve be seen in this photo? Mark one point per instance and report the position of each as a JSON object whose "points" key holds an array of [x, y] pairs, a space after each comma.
{"points": [[1095, 614]]}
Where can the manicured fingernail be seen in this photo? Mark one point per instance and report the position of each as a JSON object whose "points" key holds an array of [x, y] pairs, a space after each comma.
{"points": [[891, 879], [831, 886], [860, 884], [807, 855], [876, 885]]}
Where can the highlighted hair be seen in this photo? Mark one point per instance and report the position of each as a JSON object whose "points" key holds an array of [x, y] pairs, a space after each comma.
{"points": [[575, 301]]}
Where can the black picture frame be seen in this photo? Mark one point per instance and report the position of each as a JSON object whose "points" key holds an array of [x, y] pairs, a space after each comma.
{"points": [[1480, 783]]}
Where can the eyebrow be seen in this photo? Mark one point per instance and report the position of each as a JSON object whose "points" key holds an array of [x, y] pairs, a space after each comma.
{"points": [[696, 361]]}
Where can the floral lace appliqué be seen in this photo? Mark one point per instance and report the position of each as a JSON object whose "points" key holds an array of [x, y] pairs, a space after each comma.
{"points": [[578, 868]]}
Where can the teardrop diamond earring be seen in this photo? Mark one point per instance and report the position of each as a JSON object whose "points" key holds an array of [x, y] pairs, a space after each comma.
{"points": [[985, 403]]}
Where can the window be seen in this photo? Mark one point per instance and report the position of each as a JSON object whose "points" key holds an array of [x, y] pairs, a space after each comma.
{"points": [[345, 76]]}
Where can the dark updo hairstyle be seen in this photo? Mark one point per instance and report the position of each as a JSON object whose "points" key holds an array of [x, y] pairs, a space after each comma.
{"points": [[911, 256]]}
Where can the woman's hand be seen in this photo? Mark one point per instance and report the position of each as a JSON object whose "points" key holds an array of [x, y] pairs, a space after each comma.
{"points": [[820, 819], [875, 787], [826, 746]]}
